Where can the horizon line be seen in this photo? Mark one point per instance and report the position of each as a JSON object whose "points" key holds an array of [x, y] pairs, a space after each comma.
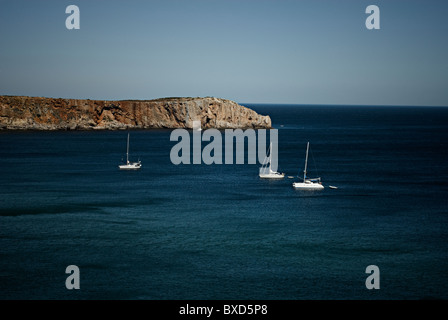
{"points": [[345, 105]]}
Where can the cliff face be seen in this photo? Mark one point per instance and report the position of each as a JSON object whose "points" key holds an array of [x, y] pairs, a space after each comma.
{"points": [[35, 113]]}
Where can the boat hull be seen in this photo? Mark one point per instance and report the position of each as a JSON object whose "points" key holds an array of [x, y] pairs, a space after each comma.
{"points": [[272, 176], [130, 166], [307, 186]]}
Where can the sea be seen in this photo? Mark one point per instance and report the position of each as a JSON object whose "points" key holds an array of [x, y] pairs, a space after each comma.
{"points": [[218, 231]]}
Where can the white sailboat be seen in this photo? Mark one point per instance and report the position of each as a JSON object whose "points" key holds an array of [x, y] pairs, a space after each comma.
{"points": [[266, 170], [130, 165], [308, 184]]}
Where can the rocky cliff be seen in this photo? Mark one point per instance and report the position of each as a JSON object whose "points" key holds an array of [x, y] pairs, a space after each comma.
{"points": [[35, 113]]}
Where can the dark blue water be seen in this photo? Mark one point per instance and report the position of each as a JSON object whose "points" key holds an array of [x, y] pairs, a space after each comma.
{"points": [[218, 231]]}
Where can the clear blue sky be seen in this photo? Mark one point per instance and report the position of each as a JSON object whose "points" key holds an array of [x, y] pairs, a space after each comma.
{"points": [[250, 51]]}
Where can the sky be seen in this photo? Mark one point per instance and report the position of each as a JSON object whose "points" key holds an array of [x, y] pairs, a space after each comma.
{"points": [[249, 51]]}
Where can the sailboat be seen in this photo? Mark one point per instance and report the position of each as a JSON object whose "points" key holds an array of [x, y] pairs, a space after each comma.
{"points": [[308, 184], [266, 170], [130, 165]]}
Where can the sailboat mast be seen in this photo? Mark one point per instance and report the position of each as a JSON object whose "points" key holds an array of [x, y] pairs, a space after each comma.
{"points": [[270, 150], [127, 151], [306, 161]]}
